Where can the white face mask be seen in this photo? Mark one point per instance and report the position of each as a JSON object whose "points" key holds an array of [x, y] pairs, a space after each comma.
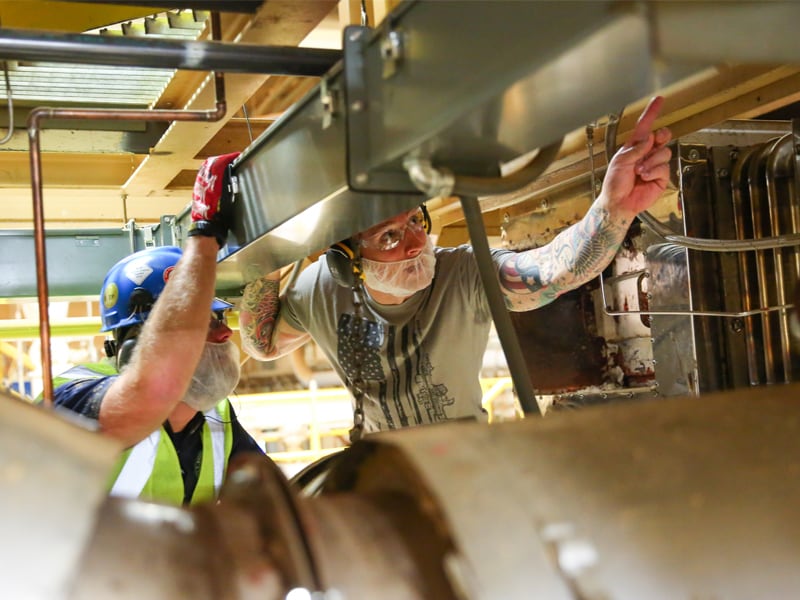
{"points": [[401, 278], [215, 377]]}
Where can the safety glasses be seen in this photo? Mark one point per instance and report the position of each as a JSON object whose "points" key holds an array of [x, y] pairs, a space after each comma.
{"points": [[390, 237]]}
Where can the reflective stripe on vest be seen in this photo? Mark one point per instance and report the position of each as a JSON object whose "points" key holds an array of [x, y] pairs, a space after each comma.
{"points": [[154, 463], [87, 371]]}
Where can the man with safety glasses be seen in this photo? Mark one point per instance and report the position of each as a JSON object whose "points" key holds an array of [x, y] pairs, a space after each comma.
{"points": [[172, 365], [411, 349]]}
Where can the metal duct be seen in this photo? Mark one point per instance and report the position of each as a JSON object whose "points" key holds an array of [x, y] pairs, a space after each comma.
{"points": [[461, 98]]}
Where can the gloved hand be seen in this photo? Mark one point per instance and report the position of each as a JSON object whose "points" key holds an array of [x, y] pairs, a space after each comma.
{"points": [[212, 198]]}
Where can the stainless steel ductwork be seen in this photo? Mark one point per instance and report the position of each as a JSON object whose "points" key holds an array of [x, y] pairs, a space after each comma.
{"points": [[333, 164], [648, 500]]}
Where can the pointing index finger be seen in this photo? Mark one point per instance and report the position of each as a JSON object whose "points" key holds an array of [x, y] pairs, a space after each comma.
{"points": [[646, 120]]}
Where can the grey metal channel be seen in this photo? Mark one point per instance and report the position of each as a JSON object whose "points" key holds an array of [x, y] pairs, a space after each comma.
{"points": [[293, 197], [77, 260], [479, 83]]}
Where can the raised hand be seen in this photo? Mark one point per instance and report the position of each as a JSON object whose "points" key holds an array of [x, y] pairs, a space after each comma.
{"points": [[639, 171], [212, 198]]}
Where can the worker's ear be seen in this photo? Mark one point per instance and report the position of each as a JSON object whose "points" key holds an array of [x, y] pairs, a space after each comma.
{"points": [[340, 258]]}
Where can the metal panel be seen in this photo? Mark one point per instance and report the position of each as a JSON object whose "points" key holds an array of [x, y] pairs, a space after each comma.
{"points": [[295, 194], [468, 98], [463, 96], [293, 186], [77, 260]]}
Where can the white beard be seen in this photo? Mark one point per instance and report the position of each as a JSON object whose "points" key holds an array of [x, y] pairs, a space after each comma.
{"points": [[401, 278], [215, 377]]}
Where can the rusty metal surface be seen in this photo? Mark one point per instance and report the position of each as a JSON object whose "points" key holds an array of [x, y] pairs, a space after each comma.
{"points": [[671, 498], [560, 344]]}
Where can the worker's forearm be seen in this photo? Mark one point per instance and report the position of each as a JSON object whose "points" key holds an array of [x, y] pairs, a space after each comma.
{"points": [[167, 350], [575, 256], [258, 316]]}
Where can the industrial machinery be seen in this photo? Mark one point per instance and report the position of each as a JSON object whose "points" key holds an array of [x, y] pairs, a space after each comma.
{"points": [[658, 499], [689, 491]]}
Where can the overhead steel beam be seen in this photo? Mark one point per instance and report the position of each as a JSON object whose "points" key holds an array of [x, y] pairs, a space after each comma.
{"points": [[463, 98]]}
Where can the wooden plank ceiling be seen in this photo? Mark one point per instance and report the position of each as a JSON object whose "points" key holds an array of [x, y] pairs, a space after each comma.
{"points": [[90, 178]]}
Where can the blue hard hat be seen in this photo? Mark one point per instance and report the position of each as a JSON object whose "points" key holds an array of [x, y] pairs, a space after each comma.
{"points": [[132, 286]]}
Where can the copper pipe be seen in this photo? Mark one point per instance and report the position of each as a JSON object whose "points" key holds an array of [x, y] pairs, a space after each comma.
{"points": [[38, 115], [782, 149], [747, 304], [754, 184]]}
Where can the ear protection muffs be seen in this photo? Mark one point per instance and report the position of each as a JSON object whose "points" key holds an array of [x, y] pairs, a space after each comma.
{"points": [[125, 352], [341, 263], [341, 256], [427, 218], [122, 345], [141, 301]]}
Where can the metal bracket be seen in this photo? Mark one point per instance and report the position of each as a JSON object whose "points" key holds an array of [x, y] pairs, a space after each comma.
{"points": [[392, 52], [329, 97], [365, 65]]}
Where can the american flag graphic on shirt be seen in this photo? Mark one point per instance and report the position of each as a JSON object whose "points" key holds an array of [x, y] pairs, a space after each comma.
{"points": [[397, 371]]}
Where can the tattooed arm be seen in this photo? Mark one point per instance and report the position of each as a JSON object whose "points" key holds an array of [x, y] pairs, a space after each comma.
{"points": [[636, 176], [265, 336]]}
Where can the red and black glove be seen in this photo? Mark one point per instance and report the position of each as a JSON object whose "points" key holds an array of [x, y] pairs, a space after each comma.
{"points": [[212, 198]]}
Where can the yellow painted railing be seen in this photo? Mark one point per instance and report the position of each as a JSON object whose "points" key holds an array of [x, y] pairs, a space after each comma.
{"points": [[319, 419]]}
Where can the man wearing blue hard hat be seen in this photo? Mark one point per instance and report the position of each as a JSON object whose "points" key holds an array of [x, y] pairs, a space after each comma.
{"points": [[172, 364]]}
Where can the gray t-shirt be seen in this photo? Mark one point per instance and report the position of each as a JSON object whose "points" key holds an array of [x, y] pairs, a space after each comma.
{"points": [[423, 356]]}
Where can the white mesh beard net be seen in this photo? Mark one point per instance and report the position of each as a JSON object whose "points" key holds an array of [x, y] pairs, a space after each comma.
{"points": [[215, 377], [403, 277]]}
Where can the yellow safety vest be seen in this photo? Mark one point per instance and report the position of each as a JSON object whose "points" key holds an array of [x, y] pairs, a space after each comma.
{"points": [[151, 469]]}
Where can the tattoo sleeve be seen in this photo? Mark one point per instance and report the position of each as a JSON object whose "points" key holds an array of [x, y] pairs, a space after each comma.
{"points": [[258, 317], [578, 254]]}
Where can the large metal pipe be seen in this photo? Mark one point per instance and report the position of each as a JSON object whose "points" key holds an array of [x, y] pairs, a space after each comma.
{"points": [[557, 508], [165, 54]]}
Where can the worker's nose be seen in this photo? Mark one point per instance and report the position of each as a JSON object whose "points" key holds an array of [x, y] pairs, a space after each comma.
{"points": [[218, 332], [415, 240]]}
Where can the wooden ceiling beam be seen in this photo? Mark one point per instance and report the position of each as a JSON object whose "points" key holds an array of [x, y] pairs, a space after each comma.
{"points": [[277, 23]]}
